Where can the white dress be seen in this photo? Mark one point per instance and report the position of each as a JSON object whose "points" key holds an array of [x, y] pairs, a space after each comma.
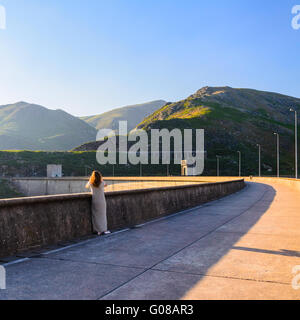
{"points": [[99, 217]]}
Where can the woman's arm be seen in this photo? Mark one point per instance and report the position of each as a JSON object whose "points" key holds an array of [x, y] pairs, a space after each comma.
{"points": [[105, 184], [87, 186]]}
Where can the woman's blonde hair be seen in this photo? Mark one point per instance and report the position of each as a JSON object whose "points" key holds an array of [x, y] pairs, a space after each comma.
{"points": [[96, 179]]}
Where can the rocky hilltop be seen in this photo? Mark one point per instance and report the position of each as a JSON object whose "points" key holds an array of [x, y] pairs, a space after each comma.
{"points": [[235, 120]]}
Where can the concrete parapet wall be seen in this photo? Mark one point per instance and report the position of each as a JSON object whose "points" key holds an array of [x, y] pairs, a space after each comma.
{"points": [[293, 183], [34, 222]]}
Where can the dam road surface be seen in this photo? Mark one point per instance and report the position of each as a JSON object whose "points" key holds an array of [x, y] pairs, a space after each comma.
{"points": [[244, 246]]}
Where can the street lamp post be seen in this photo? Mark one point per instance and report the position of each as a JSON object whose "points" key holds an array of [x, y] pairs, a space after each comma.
{"points": [[296, 143], [278, 159], [218, 166], [86, 170], [259, 160], [240, 164]]}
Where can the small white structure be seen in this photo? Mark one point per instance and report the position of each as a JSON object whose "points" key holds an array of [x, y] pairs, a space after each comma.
{"points": [[54, 171], [186, 169], [183, 167]]}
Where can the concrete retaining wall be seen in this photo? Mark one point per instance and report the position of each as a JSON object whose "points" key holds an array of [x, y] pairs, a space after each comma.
{"points": [[28, 223], [32, 187]]}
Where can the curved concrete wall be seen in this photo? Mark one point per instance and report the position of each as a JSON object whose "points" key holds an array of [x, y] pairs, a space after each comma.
{"points": [[293, 183], [29, 223]]}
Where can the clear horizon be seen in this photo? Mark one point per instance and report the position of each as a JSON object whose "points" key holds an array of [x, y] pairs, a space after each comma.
{"points": [[89, 59]]}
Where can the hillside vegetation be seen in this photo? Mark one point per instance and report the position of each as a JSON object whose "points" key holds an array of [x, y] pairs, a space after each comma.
{"points": [[75, 164], [235, 120]]}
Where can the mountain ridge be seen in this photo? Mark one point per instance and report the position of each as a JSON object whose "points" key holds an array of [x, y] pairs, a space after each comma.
{"points": [[234, 120], [246, 100], [29, 126], [134, 114]]}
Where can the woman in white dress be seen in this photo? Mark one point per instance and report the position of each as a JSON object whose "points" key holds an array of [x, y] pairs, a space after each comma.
{"points": [[99, 217]]}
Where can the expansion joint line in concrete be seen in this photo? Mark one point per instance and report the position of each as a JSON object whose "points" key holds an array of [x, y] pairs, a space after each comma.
{"points": [[223, 277]]}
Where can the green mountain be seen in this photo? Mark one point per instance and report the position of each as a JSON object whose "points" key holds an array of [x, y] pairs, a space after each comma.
{"points": [[235, 120], [133, 114], [25, 126]]}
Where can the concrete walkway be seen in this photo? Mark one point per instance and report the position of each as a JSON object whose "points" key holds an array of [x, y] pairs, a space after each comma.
{"points": [[241, 247]]}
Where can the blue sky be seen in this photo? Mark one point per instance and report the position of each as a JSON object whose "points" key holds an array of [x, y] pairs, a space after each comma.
{"points": [[87, 57]]}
